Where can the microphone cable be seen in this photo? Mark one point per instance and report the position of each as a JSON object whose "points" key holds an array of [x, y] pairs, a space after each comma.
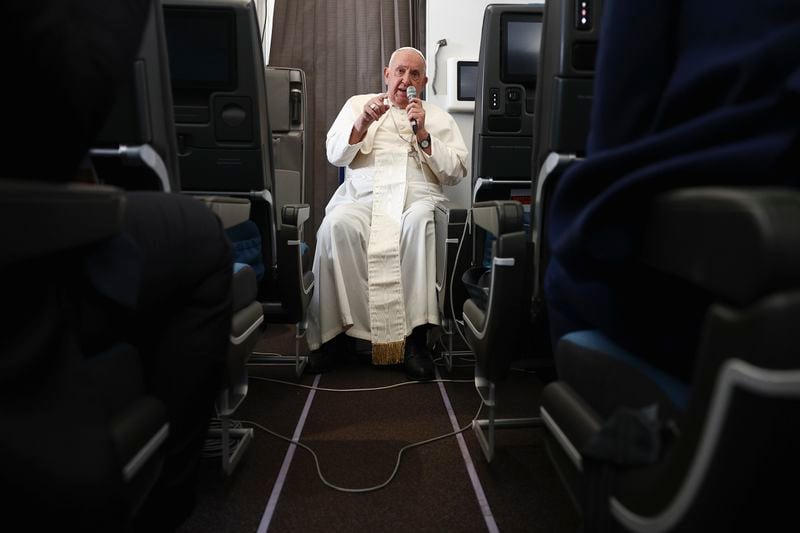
{"points": [[396, 465]]}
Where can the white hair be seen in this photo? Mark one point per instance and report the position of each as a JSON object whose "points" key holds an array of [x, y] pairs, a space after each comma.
{"points": [[409, 49]]}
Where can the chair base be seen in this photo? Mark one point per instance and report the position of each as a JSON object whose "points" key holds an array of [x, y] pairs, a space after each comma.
{"points": [[485, 428], [445, 344], [299, 361], [233, 440], [234, 443]]}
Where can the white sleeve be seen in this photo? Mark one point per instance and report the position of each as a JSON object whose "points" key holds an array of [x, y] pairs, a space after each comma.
{"points": [[340, 151]]}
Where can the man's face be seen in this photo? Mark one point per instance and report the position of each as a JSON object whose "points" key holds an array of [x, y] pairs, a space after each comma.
{"points": [[408, 69]]}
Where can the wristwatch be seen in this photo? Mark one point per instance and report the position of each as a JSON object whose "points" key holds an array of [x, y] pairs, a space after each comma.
{"points": [[424, 143]]}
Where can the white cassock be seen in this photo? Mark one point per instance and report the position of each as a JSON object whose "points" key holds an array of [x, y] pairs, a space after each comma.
{"points": [[375, 261]]}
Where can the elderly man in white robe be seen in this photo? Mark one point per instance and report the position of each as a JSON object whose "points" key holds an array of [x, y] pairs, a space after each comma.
{"points": [[375, 258]]}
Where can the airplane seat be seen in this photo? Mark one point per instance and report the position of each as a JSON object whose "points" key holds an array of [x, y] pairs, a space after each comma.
{"points": [[642, 450], [149, 99], [640, 445], [494, 314], [286, 102], [505, 95], [286, 88], [136, 149], [225, 143], [564, 68], [487, 317], [248, 316], [505, 100], [86, 424]]}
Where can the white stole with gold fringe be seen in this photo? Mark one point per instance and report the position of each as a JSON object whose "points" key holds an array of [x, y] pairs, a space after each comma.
{"points": [[386, 306]]}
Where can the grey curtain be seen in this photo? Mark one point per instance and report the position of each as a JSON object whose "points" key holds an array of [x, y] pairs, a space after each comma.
{"points": [[342, 46]]}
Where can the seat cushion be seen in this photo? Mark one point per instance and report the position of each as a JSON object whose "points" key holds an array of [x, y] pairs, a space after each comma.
{"points": [[246, 241], [245, 286], [604, 374]]}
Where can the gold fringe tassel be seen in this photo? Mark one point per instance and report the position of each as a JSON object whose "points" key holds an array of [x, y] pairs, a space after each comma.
{"points": [[388, 353]]}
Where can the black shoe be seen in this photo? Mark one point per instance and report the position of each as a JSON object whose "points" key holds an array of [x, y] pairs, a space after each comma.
{"points": [[330, 353], [323, 359], [319, 361], [345, 346], [418, 363]]}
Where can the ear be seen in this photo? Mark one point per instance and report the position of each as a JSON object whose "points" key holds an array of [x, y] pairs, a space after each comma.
{"points": [[386, 77]]}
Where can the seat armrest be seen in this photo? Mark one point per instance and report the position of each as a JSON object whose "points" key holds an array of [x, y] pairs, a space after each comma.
{"points": [[570, 419], [738, 243], [448, 206], [41, 217], [295, 214], [245, 286], [493, 334], [295, 285], [498, 217]]}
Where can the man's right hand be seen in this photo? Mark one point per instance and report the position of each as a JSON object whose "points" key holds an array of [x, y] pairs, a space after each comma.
{"points": [[373, 110]]}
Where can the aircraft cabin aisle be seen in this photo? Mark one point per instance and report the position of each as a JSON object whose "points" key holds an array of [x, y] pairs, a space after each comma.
{"points": [[357, 436]]}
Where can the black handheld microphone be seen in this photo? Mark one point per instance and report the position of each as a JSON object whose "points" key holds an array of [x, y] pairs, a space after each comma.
{"points": [[411, 92]]}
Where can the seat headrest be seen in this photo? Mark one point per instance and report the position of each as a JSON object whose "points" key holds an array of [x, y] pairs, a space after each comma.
{"points": [[739, 243]]}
